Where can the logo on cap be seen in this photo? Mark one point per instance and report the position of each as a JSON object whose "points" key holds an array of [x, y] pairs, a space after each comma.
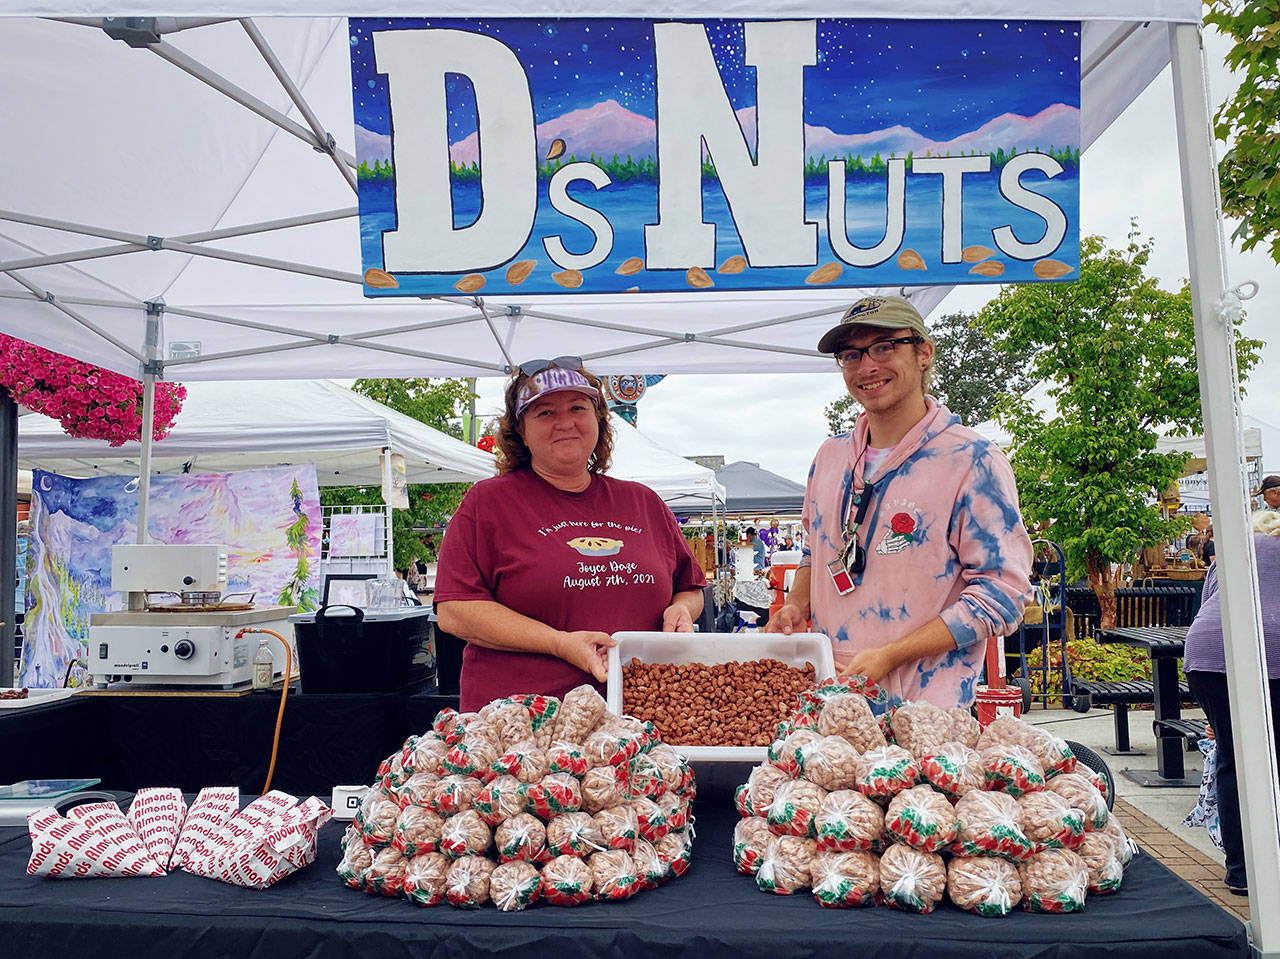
{"points": [[864, 306]]}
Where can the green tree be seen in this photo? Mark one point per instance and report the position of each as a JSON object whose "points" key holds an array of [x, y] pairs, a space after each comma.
{"points": [[1120, 355], [439, 404], [1249, 172], [970, 373]]}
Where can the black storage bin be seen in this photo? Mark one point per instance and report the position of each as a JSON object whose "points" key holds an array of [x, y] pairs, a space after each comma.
{"points": [[343, 649]]}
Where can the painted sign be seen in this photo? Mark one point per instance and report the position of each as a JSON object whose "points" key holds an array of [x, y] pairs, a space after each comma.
{"points": [[545, 156]]}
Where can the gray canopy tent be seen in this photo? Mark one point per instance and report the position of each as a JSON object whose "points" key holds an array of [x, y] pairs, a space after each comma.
{"points": [[209, 163]]}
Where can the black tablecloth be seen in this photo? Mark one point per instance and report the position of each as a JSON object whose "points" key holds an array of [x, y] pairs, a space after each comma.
{"points": [[196, 741], [710, 913]]}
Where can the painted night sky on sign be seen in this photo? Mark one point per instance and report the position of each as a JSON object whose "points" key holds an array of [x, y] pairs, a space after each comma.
{"points": [[545, 156]]}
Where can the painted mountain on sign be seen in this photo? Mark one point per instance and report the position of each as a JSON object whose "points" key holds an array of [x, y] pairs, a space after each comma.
{"points": [[608, 128]]}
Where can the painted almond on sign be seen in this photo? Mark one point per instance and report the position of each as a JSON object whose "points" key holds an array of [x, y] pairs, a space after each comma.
{"points": [[570, 279], [517, 273], [988, 268], [380, 279], [470, 283], [630, 266], [556, 148], [972, 254], [632, 289], [1050, 269], [911, 260], [827, 273], [697, 276], [735, 264]]}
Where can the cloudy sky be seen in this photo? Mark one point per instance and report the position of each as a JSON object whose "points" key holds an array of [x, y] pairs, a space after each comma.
{"points": [[1131, 171]]}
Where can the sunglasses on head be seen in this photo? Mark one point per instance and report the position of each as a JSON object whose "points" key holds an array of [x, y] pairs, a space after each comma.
{"points": [[530, 367]]}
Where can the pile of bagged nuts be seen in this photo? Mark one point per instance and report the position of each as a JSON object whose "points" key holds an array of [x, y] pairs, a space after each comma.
{"points": [[727, 704]]}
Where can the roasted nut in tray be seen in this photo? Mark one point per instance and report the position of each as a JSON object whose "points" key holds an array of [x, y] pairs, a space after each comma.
{"points": [[726, 704]]}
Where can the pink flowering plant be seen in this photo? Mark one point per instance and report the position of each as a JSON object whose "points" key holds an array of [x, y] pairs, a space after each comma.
{"points": [[88, 401]]}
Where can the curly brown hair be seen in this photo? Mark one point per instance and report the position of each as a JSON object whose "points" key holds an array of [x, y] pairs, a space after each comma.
{"points": [[512, 452]]}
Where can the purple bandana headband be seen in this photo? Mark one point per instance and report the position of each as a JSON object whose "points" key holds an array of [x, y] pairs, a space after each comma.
{"points": [[553, 380]]}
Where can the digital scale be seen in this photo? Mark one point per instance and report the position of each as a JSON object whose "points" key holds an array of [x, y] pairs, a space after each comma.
{"points": [[191, 642]]}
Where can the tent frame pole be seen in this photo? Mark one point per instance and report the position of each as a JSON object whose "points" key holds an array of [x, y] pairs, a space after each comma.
{"points": [[1237, 572], [386, 505]]}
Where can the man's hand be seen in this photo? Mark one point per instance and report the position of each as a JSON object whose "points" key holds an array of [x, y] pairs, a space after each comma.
{"points": [[677, 619], [587, 650], [875, 664], [789, 619]]}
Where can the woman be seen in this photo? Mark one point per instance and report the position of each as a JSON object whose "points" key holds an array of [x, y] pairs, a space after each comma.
{"points": [[1205, 665], [541, 563]]}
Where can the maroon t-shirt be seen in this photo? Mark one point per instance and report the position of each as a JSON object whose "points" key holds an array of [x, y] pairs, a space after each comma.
{"points": [[608, 558]]}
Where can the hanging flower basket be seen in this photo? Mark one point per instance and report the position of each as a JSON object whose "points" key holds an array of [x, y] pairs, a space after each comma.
{"points": [[88, 401]]}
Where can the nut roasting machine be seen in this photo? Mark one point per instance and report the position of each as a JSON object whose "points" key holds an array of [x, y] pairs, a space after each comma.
{"points": [[188, 631]]}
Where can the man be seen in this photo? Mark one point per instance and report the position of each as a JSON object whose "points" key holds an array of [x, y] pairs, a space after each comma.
{"points": [[915, 553], [759, 558], [1270, 492]]}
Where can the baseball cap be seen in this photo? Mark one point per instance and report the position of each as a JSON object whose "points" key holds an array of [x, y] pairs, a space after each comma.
{"points": [[1270, 482], [553, 380], [887, 312]]}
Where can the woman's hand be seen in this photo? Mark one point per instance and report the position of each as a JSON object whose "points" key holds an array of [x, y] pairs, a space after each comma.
{"points": [[676, 618], [587, 650]]}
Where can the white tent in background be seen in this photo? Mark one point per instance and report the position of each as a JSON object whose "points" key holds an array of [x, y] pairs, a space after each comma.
{"points": [[671, 476], [225, 426]]}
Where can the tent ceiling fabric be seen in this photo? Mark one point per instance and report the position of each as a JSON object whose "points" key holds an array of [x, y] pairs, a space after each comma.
{"points": [[122, 144], [246, 425], [670, 475]]}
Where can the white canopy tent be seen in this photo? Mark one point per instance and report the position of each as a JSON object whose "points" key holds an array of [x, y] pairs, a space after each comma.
{"points": [[674, 478], [257, 423], [165, 214]]}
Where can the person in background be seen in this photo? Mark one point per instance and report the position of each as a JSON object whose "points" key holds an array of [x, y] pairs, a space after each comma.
{"points": [[1269, 490], [915, 552], [770, 537], [544, 561], [788, 543], [1204, 662], [759, 558], [1207, 550], [429, 552]]}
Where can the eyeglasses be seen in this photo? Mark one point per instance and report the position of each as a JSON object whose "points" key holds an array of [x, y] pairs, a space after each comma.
{"points": [[880, 350], [529, 367]]}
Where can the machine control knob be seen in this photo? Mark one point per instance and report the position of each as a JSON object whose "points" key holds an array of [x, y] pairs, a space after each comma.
{"points": [[188, 580], [184, 649]]}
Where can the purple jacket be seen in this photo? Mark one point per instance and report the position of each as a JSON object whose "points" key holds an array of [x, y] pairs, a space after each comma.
{"points": [[1204, 638]]}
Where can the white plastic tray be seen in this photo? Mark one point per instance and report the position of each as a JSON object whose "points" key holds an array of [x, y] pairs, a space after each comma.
{"points": [[712, 648], [36, 697]]}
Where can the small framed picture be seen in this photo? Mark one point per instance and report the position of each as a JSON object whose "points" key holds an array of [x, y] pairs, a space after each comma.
{"points": [[345, 589]]}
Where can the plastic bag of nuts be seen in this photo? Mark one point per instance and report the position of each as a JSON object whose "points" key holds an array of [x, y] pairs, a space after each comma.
{"points": [[510, 722], [920, 728], [417, 789], [964, 728], [514, 885], [921, 818], [787, 752], [542, 716], [650, 867], [1012, 769], [794, 807], [831, 762], [991, 825], [651, 820], [574, 834], [1079, 792], [676, 850], [428, 755], [844, 879], [426, 877], [985, 885], [521, 837], [1125, 850], [465, 834], [1050, 822], [848, 821], [377, 818], [751, 838], [580, 713], [848, 715], [619, 826], [467, 884], [418, 831], [385, 875], [449, 725], [954, 769], [356, 859], [500, 799], [912, 880], [1051, 753], [761, 786], [555, 794], [785, 866], [613, 873], [567, 881], [602, 787], [1055, 880], [564, 757], [1099, 854], [886, 771]]}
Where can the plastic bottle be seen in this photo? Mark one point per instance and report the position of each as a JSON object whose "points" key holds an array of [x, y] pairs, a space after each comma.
{"points": [[263, 667], [747, 621]]}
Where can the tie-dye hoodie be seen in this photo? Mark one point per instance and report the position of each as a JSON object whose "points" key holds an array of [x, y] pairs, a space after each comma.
{"points": [[943, 537]]}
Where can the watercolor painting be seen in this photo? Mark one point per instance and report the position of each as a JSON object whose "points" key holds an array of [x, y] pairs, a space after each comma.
{"points": [[269, 519], [928, 152]]}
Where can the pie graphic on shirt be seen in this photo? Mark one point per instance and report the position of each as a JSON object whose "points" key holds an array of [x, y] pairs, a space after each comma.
{"points": [[595, 545]]}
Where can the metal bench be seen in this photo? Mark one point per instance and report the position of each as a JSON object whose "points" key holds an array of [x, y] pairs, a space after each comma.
{"points": [[1085, 694], [1193, 730]]}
